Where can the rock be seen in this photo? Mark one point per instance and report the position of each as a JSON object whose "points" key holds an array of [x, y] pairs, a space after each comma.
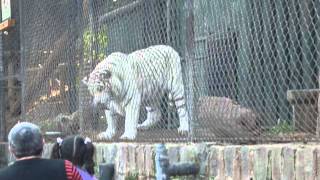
{"points": [[246, 161], [141, 160], [232, 161], [216, 163], [261, 163], [288, 163], [69, 124], [225, 118], [173, 153], [149, 161], [305, 163], [276, 163], [122, 162]]}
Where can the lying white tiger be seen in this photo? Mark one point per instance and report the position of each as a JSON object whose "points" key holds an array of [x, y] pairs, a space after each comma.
{"points": [[122, 83]]}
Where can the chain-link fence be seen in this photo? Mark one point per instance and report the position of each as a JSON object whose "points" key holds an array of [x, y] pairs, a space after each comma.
{"points": [[10, 83], [249, 69]]}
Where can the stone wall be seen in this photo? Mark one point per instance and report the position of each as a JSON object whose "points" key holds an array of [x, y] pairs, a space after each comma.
{"points": [[281, 161]]}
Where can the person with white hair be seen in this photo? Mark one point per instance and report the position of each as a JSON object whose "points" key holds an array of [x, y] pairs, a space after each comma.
{"points": [[26, 144]]}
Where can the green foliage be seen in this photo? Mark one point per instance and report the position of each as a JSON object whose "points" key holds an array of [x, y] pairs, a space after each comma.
{"points": [[94, 47], [182, 177], [95, 44], [176, 178], [283, 127], [132, 176]]}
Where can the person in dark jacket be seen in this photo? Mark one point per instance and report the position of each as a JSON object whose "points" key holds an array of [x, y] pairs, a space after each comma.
{"points": [[26, 144]]}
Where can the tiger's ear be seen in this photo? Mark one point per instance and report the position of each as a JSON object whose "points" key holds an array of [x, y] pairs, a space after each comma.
{"points": [[85, 80]]}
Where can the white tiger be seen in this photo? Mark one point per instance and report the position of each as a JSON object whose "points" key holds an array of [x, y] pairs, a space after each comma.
{"points": [[122, 83]]}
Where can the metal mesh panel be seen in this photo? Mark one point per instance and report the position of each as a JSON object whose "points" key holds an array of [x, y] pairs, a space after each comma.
{"points": [[250, 69], [10, 82]]}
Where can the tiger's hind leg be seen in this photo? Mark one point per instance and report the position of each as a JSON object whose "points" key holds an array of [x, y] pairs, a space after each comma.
{"points": [[178, 98], [176, 90], [153, 116], [183, 115]]}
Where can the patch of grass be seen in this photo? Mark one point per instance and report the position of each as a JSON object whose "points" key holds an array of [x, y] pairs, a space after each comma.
{"points": [[175, 178], [132, 176], [282, 127]]}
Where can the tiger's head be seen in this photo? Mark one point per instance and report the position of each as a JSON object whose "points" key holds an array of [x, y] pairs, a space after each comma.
{"points": [[105, 82], [99, 86]]}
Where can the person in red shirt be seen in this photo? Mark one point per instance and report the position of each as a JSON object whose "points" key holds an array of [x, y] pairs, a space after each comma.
{"points": [[26, 144]]}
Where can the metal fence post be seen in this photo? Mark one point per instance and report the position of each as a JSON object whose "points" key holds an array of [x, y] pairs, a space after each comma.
{"points": [[83, 70], [318, 115], [190, 57], [2, 101], [23, 64]]}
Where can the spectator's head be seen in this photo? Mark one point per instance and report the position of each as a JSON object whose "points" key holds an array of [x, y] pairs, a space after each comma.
{"points": [[25, 140], [76, 149]]}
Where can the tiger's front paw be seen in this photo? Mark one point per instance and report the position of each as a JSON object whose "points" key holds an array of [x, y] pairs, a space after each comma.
{"points": [[129, 135], [109, 134], [183, 129], [145, 125]]}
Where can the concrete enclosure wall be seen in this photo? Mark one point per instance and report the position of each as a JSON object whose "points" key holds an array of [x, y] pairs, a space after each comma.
{"points": [[257, 162]]}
